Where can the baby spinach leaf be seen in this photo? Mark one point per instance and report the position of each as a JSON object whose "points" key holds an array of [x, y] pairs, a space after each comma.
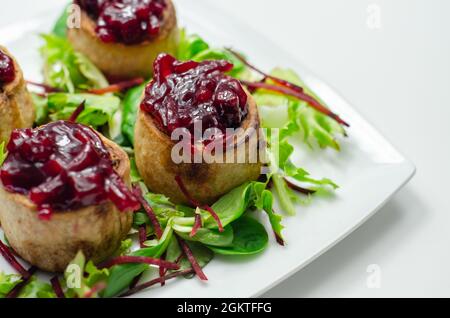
{"points": [[250, 237], [211, 237], [231, 206]]}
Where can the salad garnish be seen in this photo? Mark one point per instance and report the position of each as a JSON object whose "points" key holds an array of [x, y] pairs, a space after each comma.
{"points": [[148, 209], [11, 259], [155, 281], [117, 87], [47, 88], [300, 95], [176, 240], [190, 256], [18, 289], [119, 260], [56, 285], [194, 202], [73, 118]]}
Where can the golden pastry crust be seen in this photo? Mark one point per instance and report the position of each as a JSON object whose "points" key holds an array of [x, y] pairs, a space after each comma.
{"points": [[206, 182], [51, 245], [122, 61], [16, 105]]}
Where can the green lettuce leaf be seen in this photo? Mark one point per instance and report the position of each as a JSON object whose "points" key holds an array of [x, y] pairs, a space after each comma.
{"points": [[313, 126], [134, 172], [299, 174], [41, 107], [36, 288], [279, 153], [80, 276], [8, 282], [234, 204], [124, 248], [66, 69], [99, 109], [193, 47], [264, 202]]}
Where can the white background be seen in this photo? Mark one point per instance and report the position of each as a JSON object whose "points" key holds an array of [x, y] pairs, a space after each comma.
{"points": [[398, 77]]}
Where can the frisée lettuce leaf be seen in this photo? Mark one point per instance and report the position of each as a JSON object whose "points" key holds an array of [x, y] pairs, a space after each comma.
{"points": [[66, 69], [99, 109], [313, 126], [8, 282]]}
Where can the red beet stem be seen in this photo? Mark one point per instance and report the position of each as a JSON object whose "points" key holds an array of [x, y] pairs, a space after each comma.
{"points": [[141, 260], [142, 235], [162, 272], [278, 80], [190, 256], [186, 193], [117, 87], [155, 281], [194, 202], [179, 258], [95, 289], [297, 188], [215, 216], [8, 255], [197, 225], [16, 290], [57, 287], [148, 209], [77, 112], [301, 96], [45, 87]]}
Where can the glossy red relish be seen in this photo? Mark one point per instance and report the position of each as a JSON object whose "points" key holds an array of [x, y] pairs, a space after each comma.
{"points": [[125, 21], [7, 69], [63, 166], [183, 93]]}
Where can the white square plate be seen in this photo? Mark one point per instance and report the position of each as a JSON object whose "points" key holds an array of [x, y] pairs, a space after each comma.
{"points": [[368, 169]]}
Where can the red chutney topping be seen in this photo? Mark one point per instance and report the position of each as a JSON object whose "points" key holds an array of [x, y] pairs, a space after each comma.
{"points": [[7, 69], [125, 21], [63, 166], [183, 93]]}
